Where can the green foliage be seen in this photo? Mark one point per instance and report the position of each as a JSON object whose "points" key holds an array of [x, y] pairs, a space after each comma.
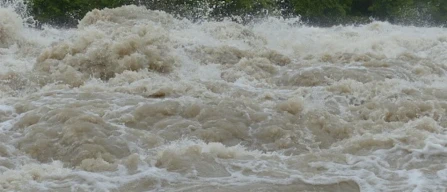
{"points": [[329, 12], [67, 12], [322, 8], [320, 12], [323, 12], [437, 9], [389, 8], [418, 12]]}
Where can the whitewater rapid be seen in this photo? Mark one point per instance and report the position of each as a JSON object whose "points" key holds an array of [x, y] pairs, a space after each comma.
{"points": [[137, 100]]}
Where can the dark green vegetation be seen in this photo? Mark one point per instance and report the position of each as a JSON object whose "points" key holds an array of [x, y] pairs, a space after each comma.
{"points": [[67, 12], [318, 12]]}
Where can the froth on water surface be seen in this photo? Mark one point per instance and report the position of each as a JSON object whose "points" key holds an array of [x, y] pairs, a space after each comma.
{"points": [[137, 100]]}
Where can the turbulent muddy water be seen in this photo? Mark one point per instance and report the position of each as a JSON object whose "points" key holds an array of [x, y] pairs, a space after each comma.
{"points": [[136, 100]]}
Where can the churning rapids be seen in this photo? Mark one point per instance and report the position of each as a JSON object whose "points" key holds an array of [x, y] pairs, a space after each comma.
{"points": [[136, 100]]}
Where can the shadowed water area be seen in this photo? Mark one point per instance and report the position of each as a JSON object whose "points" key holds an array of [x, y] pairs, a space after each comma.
{"points": [[137, 100]]}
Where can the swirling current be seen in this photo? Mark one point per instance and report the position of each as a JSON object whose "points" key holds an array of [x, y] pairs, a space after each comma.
{"points": [[138, 100]]}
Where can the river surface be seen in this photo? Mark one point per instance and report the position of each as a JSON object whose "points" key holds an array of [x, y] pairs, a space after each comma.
{"points": [[137, 100]]}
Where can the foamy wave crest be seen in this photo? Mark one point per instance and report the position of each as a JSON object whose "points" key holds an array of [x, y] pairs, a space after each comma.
{"points": [[109, 42]]}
